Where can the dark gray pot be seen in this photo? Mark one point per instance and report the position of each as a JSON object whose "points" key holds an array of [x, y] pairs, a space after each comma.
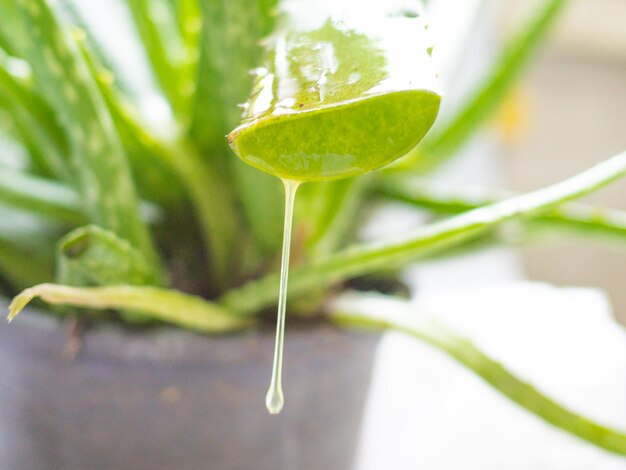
{"points": [[169, 399]]}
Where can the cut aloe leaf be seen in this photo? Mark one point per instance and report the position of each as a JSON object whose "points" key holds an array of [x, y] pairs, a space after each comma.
{"points": [[341, 94]]}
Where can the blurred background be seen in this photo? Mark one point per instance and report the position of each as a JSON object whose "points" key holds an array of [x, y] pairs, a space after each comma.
{"points": [[569, 111]]}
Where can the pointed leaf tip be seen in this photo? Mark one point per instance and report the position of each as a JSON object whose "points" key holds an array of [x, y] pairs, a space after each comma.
{"points": [[20, 301]]}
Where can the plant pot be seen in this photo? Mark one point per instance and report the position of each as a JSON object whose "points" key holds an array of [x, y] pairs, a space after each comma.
{"points": [[171, 399]]}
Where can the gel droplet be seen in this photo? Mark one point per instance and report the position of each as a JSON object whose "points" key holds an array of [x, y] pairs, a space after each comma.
{"points": [[274, 400]]}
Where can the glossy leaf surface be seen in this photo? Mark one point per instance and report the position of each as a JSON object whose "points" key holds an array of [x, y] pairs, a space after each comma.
{"points": [[341, 93]]}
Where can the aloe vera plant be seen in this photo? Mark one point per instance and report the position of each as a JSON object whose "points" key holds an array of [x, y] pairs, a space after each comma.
{"points": [[105, 212]]}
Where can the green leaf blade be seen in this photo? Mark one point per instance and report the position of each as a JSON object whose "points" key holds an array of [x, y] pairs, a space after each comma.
{"points": [[229, 49], [20, 267], [170, 306], [100, 166], [98, 257], [40, 196], [158, 30], [36, 123], [365, 258], [576, 218], [383, 313]]}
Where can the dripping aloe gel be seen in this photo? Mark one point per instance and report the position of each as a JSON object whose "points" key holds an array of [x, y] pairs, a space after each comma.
{"points": [[341, 93]]}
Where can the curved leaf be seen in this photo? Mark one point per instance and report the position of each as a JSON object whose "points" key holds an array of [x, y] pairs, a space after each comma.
{"points": [[400, 250], [100, 168], [580, 218], [92, 256], [41, 196], [383, 313], [170, 306]]}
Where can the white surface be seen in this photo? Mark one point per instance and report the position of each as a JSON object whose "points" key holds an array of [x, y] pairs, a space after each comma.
{"points": [[427, 412]]}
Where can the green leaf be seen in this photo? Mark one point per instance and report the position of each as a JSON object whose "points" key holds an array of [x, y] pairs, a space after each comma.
{"points": [[5, 42], [26, 247], [339, 95], [370, 257], [169, 306], [450, 136], [373, 311], [262, 203], [41, 196], [10, 35], [328, 213], [229, 48], [91, 256], [35, 120], [21, 267], [101, 169], [189, 21], [172, 63], [151, 161], [214, 207], [571, 217], [164, 168]]}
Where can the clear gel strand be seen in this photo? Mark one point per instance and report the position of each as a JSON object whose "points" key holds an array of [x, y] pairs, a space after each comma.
{"points": [[275, 399]]}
